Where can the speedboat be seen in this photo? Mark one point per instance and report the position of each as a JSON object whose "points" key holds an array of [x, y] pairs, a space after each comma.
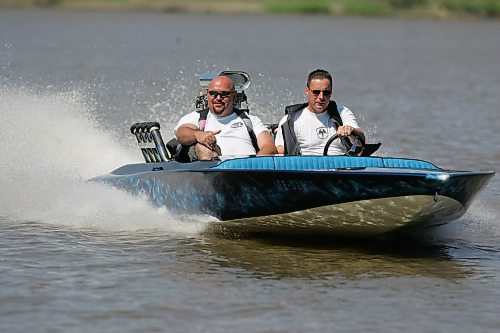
{"points": [[344, 195], [338, 195]]}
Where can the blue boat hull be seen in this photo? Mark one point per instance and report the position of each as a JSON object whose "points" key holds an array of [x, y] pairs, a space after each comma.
{"points": [[344, 195]]}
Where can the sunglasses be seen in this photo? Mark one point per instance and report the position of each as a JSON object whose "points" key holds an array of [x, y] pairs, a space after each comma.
{"points": [[325, 92], [222, 94]]}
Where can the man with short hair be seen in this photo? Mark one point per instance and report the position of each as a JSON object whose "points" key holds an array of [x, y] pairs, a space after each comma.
{"points": [[224, 132], [306, 128]]}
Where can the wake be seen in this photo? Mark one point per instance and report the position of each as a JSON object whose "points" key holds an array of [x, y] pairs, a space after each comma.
{"points": [[51, 145]]}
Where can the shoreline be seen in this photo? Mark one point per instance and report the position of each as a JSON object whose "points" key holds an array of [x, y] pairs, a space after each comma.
{"points": [[409, 9]]}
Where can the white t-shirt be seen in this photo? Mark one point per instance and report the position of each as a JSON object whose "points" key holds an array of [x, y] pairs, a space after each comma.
{"points": [[313, 131], [233, 139]]}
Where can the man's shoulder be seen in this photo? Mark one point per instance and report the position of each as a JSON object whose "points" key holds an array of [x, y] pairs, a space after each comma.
{"points": [[289, 109], [257, 123], [253, 117], [282, 120], [342, 109], [294, 114]]}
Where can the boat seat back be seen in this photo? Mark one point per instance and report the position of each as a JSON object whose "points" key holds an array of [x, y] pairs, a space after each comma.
{"points": [[322, 163]]}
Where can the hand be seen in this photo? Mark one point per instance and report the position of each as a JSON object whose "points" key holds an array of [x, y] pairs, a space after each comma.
{"points": [[345, 131], [207, 138]]}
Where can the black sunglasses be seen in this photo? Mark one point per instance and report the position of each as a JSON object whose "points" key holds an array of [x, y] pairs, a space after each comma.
{"points": [[325, 92], [222, 94]]}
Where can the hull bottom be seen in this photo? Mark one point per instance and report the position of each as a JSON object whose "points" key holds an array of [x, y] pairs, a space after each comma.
{"points": [[355, 219]]}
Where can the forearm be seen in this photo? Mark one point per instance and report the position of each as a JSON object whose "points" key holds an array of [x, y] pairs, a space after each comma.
{"points": [[268, 149], [186, 135], [266, 144]]}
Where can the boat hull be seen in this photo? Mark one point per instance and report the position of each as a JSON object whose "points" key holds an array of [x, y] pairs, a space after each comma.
{"points": [[345, 201]]}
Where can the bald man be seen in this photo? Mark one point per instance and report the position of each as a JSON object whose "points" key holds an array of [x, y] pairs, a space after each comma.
{"points": [[224, 133]]}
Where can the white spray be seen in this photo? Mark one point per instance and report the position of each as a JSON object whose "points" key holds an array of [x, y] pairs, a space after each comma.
{"points": [[49, 146]]}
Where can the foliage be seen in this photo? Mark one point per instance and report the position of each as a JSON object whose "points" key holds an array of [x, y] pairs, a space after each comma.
{"points": [[297, 6], [489, 8], [407, 4], [48, 3], [431, 8], [366, 7]]}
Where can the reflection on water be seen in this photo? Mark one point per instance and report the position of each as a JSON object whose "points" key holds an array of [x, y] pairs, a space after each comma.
{"points": [[272, 256], [316, 257], [62, 271]]}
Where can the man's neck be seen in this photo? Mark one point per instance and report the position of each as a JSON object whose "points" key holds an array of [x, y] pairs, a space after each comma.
{"points": [[223, 114], [308, 109]]}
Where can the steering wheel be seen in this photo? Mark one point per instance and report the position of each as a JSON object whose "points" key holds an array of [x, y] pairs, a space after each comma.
{"points": [[352, 150]]}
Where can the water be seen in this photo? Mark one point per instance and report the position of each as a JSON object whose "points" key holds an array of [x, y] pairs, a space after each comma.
{"points": [[76, 256]]}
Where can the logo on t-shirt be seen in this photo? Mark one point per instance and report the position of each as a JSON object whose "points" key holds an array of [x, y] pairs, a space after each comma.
{"points": [[236, 125], [322, 132]]}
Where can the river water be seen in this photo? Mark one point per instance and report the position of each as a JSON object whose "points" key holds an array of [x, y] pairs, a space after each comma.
{"points": [[80, 257]]}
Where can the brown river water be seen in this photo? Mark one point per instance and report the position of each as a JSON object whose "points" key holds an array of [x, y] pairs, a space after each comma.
{"points": [[81, 257]]}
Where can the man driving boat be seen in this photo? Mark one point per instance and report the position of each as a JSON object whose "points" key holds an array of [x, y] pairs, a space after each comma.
{"points": [[306, 128]]}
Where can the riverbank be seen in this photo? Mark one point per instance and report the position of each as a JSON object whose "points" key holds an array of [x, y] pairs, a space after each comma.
{"points": [[442, 9]]}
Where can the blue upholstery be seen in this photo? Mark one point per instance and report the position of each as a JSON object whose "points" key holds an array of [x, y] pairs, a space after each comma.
{"points": [[325, 162], [405, 163], [322, 163], [258, 163]]}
